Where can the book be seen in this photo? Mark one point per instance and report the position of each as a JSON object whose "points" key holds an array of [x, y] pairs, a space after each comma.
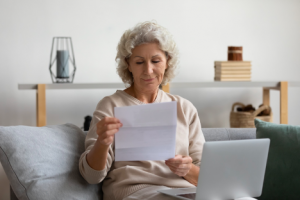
{"points": [[233, 72], [232, 63], [232, 79], [233, 76], [233, 67]]}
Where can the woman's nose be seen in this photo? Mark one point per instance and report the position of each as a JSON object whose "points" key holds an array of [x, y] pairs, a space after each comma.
{"points": [[149, 68]]}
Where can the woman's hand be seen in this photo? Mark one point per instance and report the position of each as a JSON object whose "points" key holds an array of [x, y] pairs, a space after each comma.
{"points": [[180, 165], [106, 130]]}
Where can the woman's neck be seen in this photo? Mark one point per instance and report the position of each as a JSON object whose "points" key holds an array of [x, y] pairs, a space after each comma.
{"points": [[148, 96]]}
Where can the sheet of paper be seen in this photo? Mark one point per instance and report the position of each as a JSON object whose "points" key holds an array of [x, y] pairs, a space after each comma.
{"points": [[148, 132]]}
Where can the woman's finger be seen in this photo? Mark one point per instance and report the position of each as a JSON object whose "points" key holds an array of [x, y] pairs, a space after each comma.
{"points": [[101, 127], [113, 126], [107, 120], [109, 133], [110, 120], [177, 158], [180, 166], [180, 160], [178, 171], [187, 159]]}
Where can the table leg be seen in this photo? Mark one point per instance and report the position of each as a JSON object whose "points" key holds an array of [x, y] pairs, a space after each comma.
{"points": [[284, 102], [266, 96], [166, 88], [41, 105]]}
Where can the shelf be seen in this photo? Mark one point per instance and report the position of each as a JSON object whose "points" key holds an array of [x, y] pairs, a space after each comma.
{"points": [[281, 86], [243, 84], [52, 86]]}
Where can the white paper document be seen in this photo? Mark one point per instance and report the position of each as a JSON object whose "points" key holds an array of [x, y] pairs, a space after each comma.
{"points": [[148, 132]]}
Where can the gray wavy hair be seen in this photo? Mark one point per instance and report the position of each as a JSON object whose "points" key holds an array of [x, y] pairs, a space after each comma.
{"points": [[146, 32]]}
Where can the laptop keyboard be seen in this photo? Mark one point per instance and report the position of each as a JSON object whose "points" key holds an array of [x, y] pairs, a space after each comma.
{"points": [[188, 195]]}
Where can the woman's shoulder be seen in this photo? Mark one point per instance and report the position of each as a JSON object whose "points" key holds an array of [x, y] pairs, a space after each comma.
{"points": [[182, 102], [110, 100], [185, 108]]}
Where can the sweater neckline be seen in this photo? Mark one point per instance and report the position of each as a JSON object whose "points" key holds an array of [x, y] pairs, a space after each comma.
{"points": [[157, 99]]}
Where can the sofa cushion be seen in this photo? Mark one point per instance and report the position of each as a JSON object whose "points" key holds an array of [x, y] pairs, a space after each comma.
{"points": [[42, 162], [282, 177]]}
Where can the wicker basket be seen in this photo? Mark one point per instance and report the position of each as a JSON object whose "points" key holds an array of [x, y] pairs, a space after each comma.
{"points": [[246, 119]]}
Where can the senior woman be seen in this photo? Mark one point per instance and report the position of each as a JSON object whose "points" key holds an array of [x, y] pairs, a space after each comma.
{"points": [[147, 57]]}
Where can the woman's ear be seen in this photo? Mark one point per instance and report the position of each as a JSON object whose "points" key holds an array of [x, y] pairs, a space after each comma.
{"points": [[168, 59], [127, 61]]}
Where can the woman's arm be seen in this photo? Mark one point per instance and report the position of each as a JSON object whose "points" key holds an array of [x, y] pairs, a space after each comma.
{"points": [[183, 166], [95, 162], [192, 175], [106, 130], [97, 156], [188, 166]]}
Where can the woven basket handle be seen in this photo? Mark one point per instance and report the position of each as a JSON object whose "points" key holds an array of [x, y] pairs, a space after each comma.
{"points": [[260, 109], [237, 104]]}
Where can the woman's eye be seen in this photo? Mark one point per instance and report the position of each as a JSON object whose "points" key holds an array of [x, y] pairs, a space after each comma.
{"points": [[156, 61]]}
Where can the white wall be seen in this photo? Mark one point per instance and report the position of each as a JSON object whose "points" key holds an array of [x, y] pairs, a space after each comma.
{"points": [[269, 32]]}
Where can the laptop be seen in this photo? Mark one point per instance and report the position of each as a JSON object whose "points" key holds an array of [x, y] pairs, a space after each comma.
{"points": [[229, 170]]}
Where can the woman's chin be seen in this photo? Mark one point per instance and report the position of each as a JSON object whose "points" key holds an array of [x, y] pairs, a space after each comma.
{"points": [[149, 85]]}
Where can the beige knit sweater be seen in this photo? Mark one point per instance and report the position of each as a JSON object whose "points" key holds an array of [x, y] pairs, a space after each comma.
{"points": [[122, 178]]}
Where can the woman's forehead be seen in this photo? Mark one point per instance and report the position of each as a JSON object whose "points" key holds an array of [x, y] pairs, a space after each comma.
{"points": [[147, 50], [157, 55]]}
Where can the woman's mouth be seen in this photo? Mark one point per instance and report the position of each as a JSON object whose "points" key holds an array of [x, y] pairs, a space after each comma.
{"points": [[148, 80]]}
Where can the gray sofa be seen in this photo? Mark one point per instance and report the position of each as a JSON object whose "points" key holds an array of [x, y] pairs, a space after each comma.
{"points": [[211, 134]]}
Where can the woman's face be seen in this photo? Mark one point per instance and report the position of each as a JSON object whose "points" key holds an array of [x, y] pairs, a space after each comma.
{"points": [[147, 65]]}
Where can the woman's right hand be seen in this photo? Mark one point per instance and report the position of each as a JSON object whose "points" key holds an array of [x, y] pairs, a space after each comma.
{"points": [[106, 130]]}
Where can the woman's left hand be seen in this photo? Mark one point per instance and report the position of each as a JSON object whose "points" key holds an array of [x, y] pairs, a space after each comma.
{"points": [[180, 165]]}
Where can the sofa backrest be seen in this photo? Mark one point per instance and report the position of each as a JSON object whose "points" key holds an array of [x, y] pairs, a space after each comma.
{"points": [[221, 134]]}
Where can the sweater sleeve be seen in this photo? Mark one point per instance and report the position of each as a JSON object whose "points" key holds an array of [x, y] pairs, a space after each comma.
{"points": [[92, 176], [196, 137]]}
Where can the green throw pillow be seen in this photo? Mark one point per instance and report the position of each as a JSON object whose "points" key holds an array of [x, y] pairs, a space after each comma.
{"points": [[282, 177]]}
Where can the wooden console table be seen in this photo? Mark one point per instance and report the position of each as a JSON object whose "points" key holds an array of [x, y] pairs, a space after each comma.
{"points": [[282, 87]]}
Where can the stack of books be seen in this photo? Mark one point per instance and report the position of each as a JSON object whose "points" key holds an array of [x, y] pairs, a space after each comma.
{"points": [[232, 70]]}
